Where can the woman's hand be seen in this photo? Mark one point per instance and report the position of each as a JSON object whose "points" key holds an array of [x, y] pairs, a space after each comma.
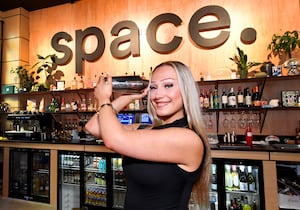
{"points": [[122, 101], [103, 89]]}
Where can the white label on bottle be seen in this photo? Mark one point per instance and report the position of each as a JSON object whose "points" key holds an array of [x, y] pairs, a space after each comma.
{"points": [[232, 101], [240, 99], [248, 100], [224, 99]]}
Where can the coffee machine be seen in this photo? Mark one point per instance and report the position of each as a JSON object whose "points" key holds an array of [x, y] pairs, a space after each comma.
{"points": [[31, 126]]}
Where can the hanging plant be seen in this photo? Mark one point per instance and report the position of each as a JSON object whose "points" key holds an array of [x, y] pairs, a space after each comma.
{"points": [[49, 66]]}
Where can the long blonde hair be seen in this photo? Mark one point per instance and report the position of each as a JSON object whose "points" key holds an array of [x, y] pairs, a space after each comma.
{"points": [[191, 102]]}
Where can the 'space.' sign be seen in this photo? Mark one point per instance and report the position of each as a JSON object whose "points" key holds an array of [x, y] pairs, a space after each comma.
{"points": [[195, 28]]}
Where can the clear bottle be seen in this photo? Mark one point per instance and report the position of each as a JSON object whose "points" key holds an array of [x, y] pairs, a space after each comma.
{"points": [[231, 99], [228, 178], [83, 105], [80, 83], [235, 178], [240, 97], [74, 84], [211, 99], [224, 99], [95, 81]]}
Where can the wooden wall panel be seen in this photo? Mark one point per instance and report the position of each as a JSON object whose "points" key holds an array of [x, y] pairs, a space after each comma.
{"points": [[267, 17]]}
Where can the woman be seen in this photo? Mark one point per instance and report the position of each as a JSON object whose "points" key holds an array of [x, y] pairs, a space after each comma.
{"points": [[161, 164]]}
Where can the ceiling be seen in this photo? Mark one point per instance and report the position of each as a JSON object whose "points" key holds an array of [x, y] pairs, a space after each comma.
{"points": [[30, 5]]}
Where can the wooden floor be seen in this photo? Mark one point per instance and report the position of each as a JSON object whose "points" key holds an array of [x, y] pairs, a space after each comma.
{"points": [[17, 204]]}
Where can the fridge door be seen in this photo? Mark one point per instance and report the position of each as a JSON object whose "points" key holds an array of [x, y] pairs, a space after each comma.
{"points": [[213, 194], [69, 180], [118, 183], [243, 185], [95, 180], [40, 182], [18, 184]]}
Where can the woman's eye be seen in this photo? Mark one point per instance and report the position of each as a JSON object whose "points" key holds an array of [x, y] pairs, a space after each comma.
{"points": [[168, 85], [152, 87]]}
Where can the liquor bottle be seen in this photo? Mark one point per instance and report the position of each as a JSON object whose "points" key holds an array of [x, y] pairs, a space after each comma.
{"points": [[240, 97], [95, 81], [224, 99], [74, 84], [80, 83], [83, 105], [249, 135], [211, 99], [62, 105], [251, 180], [248, 97], [90, 105], [213, 177], [68, 106], [206, 100], [235, 178], [228, 178], [243, 179], [216, 102], [231, 99], [255, 97], [52, 105], [201, 98]]}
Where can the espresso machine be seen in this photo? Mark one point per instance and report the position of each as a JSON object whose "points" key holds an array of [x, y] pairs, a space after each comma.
{"points": [[32, 126]]}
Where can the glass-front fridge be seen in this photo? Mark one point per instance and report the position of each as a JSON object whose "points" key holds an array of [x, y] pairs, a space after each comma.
{"points": [[69, 180], [243, 185], [29, 174], [90, 180]]}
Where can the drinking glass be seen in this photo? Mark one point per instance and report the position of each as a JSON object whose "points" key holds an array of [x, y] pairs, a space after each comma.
{"points": [[242, 121], [225, 121], [232, 121]]}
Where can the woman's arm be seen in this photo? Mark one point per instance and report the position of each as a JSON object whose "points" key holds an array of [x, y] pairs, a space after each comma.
{"points": [[93, 126]]}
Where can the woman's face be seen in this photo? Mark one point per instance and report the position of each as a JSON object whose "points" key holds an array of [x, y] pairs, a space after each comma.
{"points": [[165, 94]]}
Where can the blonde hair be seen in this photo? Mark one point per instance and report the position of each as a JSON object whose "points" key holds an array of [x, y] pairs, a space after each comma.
{"points": [[191, 102]]}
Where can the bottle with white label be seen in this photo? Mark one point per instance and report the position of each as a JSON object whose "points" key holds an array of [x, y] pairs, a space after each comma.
{"points": [[231, 99]]}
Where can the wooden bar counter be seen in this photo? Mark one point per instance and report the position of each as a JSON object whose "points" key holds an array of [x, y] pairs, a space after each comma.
{"points": [[269, 156]]}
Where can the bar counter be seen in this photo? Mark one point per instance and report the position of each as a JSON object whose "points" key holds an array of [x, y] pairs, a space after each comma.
{"points": [[268, 154]]}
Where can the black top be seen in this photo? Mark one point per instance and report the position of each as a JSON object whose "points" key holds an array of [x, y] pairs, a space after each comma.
{"points": [[158, 185]]}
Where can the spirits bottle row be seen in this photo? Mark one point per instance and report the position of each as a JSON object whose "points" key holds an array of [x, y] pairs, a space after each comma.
{"points": [[210, 99]]}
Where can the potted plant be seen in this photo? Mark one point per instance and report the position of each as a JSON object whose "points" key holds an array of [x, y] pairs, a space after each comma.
{"points": [[284, 45], [49, 66], [243, 65], [27, 79]]}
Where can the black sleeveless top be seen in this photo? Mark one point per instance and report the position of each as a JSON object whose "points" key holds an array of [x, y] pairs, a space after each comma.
{"points": [[158, 185]]}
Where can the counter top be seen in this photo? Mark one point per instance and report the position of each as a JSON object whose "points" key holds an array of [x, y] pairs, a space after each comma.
{"points": [[290, 148]]}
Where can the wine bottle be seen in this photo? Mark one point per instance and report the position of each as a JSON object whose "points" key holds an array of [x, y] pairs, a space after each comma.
{"points": [[206, 100], [255, 97], [224, 99], [213, 177], [235, 178], [251, 180], [201, 98], [62, 105], [231, 99], [216, 102], [211, 99], [243, 179], [228, 178], [248, 97], [246, 205], [240, 97]]}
